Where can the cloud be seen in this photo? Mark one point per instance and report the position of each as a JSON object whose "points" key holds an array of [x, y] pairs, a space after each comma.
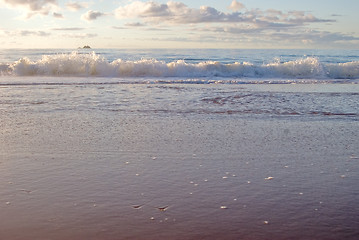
{"points": [[143, 27], [58, 15], [68, 29], [240, 24], [272, 37], [236, 6], [119, 28], [179, 13], [25, 33], [157, 29], [145, 9], [32, 7], [172, 12], [80, 35], [92, 15], [75, 6], [315, 36], [135, 24], [3, 33]]}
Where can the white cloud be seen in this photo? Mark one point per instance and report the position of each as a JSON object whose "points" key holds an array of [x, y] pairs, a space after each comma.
{"points": [[92, 15], [2, 33], [144, 9], [236, 6], [32, 7]]}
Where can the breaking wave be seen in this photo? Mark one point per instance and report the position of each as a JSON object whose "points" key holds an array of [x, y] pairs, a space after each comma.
{"points": [[91, 64]]}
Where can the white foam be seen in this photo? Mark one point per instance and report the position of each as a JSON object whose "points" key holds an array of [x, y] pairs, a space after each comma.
{"points": [[76, 64]]}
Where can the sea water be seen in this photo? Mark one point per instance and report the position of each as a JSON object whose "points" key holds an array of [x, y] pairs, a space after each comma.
{"points": [[179, 144]]}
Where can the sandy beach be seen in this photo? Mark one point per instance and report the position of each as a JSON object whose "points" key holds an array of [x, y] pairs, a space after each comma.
{"points": [[177, 165]]}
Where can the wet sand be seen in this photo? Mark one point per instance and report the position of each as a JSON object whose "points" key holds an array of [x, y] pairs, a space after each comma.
{"points": [[75, 172]]}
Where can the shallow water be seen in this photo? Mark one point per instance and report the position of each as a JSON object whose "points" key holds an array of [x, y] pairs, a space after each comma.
{"points": [[179, 161]]}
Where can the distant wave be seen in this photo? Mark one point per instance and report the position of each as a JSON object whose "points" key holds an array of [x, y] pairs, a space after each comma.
{"points": [[76, 64]]}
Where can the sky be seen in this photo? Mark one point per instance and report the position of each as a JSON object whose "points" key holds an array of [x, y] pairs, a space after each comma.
{"points": [[179, 24]]}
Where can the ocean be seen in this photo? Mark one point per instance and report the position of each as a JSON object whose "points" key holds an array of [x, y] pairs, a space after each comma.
{"points": [[179, 144]]}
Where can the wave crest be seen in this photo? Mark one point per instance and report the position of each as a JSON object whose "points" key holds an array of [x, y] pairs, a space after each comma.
{"points": [[92, 64]]}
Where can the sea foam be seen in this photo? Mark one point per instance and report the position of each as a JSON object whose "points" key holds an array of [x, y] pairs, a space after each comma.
{"points": [[77, 64]]}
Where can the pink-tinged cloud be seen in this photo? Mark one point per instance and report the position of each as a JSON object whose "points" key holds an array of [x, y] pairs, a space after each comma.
{"points": [[75, 6], [236, 6], [32, 7]]}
